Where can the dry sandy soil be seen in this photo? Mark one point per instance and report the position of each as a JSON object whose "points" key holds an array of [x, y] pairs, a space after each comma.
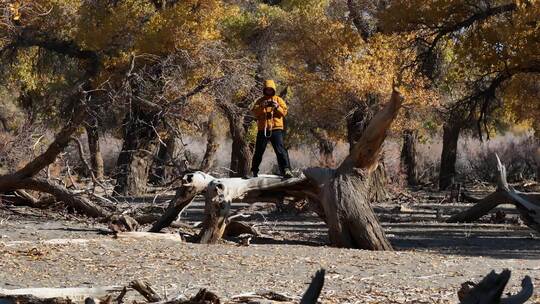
{"points": [[431, 259]]}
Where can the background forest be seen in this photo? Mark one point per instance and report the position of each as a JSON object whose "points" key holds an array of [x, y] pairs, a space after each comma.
{"points": [[166, 86]]}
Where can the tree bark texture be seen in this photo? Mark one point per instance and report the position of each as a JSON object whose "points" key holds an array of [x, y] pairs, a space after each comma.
{"points": [[447, 172], [408, 156]]}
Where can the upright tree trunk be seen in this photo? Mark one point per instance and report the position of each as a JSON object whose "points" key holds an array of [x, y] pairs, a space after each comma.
{"points": [[96, 159], [447, 172], [241, 150], [408, 156], [170, 161], [158, 176], [356, 124], [211, 145], [135, 159], [538, 172], [352, 223], [326, 148]]}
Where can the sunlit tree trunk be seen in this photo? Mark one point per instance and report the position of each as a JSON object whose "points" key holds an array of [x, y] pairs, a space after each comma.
{"points": [[356, 124]]}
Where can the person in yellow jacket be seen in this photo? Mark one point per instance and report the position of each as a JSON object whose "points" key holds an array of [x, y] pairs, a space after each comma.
{"points": [[270, 111]]}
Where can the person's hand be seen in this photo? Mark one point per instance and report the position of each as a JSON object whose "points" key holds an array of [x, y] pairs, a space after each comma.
{"points": [[272, 103]]}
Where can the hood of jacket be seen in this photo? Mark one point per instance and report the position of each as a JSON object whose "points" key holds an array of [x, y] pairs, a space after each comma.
{"points": [[270, 84]]}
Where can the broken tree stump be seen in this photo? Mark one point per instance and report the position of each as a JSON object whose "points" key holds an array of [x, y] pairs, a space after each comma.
{"points": [[491, 288]]}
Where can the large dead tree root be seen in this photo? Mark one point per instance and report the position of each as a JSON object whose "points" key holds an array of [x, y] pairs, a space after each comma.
{"points": [[342, 196], [528, 204]]}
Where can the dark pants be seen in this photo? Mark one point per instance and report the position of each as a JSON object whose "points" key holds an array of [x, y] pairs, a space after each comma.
{"points": [[276, 138]]}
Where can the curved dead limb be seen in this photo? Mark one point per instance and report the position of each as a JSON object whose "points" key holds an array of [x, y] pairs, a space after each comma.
{"points": [[8, 181], [528, 204], [523, 295], [23, 178], [146, 290], [82, 157]]}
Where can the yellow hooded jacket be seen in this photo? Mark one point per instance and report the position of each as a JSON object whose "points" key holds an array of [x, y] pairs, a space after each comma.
{"points": [[269, 117]]}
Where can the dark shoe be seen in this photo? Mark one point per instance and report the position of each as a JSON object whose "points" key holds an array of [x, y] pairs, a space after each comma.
{"points": [[250, 175], [287, 173]]}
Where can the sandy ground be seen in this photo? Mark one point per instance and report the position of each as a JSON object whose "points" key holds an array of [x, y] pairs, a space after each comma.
{"points": [[431, 261]]}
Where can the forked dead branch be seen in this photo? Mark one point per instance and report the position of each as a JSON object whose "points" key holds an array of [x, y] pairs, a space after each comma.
{"points": [[528, 204]]}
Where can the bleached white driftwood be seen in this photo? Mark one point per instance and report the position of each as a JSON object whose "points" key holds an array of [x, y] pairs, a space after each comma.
{"points": [[75, 293], [49, 242], [149, 236], [220, 193]]}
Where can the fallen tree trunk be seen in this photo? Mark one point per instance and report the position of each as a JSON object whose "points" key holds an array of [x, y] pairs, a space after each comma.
{"points": [[78, 203], [490, 202], [528, 204]]}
